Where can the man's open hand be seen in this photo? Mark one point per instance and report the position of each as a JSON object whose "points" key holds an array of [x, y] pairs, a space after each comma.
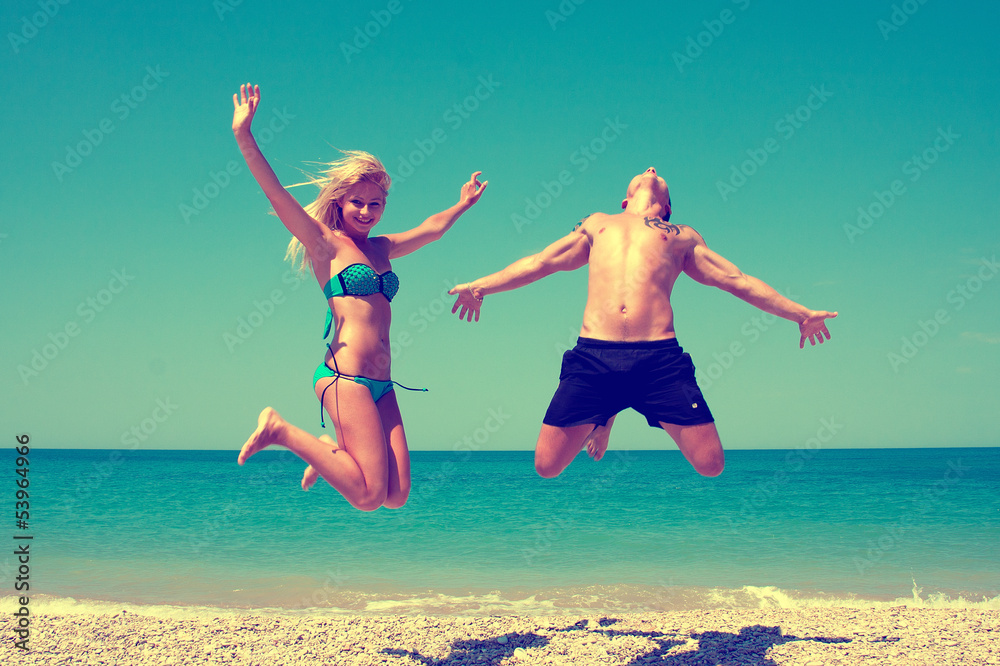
{"points": [[814, 328]]}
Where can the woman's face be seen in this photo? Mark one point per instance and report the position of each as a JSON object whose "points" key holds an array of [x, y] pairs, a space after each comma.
{"points": [[361, 208]]}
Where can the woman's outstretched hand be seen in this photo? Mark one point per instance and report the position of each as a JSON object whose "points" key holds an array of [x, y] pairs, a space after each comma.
{"points": [[472, 190], [244, 106]]}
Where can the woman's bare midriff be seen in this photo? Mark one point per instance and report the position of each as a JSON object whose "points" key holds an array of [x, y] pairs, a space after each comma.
{"points": [[360, 336]]}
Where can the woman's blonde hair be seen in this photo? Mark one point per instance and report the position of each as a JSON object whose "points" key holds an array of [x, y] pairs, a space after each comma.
{"points": [[335, 180]]}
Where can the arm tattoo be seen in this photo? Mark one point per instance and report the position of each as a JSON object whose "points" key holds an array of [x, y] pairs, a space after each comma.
{"points": [[580, 223], [660, 224]]}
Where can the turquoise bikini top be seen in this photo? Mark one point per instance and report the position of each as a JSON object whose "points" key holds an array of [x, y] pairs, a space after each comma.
{"points": [[359, 280]]}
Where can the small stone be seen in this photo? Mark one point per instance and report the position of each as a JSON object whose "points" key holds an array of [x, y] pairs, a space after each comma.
{"points": [[520, 653], [502, 640]]}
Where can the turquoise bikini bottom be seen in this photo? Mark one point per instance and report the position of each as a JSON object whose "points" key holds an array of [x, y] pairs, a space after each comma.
{"points": [[377, 387]]}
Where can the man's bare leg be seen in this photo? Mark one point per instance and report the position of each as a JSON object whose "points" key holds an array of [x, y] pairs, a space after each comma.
{"points": [[557, 447], [700, 445], [597, 440]]}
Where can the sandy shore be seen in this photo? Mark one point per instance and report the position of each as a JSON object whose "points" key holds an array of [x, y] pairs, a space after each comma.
{"points": [[809, 637]]}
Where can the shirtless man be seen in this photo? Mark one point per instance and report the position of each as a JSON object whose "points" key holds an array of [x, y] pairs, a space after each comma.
{"points": [[627, 354]]}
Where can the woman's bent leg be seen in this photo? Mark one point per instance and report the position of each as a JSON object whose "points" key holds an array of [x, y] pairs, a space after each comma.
{"points": [[398, 452], [358, 469], [310, 475]]}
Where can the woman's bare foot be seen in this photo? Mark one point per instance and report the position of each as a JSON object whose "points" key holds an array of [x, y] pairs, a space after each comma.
{"points": [[310, 475], [269, 425]]}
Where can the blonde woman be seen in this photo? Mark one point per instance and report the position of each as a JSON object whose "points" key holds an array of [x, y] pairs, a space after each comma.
{"points": [[369, 463]]}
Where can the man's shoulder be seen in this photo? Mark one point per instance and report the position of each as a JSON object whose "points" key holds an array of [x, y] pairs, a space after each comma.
{"points": [[589, 219], [688, 230]]}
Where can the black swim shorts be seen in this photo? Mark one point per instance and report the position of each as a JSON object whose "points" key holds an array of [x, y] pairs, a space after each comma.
{"points": [[600, 378]]}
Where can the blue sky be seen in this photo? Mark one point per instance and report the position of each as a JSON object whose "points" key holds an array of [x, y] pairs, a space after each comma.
{"points": [[133, 240]]}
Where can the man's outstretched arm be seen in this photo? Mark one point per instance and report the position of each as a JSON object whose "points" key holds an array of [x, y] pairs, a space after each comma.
{"points": [[566, 254], [711, 268]]}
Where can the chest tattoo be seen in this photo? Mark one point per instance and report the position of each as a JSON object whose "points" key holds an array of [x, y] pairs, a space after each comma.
{"points": [[655, 222]]}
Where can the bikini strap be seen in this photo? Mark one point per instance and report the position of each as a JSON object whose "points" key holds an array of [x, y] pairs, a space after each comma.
{"points": [[407, 387], [322, 396]]}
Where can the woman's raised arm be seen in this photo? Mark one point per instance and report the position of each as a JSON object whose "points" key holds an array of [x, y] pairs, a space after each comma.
{"points": [[435, 226], [316, 237]]}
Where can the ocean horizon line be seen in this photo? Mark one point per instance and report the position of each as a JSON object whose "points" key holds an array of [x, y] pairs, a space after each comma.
{"points": [[531, 450]]}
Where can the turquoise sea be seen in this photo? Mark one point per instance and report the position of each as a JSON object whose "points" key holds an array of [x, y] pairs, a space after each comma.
{"points": [[173, 531]]}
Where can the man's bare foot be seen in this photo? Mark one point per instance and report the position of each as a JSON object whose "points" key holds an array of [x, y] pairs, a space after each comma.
{"points": [[597, 441], [310, 475], [269, 425]]}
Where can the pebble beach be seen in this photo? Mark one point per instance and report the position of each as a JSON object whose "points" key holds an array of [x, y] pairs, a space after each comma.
{"points": [[898, 636]]}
